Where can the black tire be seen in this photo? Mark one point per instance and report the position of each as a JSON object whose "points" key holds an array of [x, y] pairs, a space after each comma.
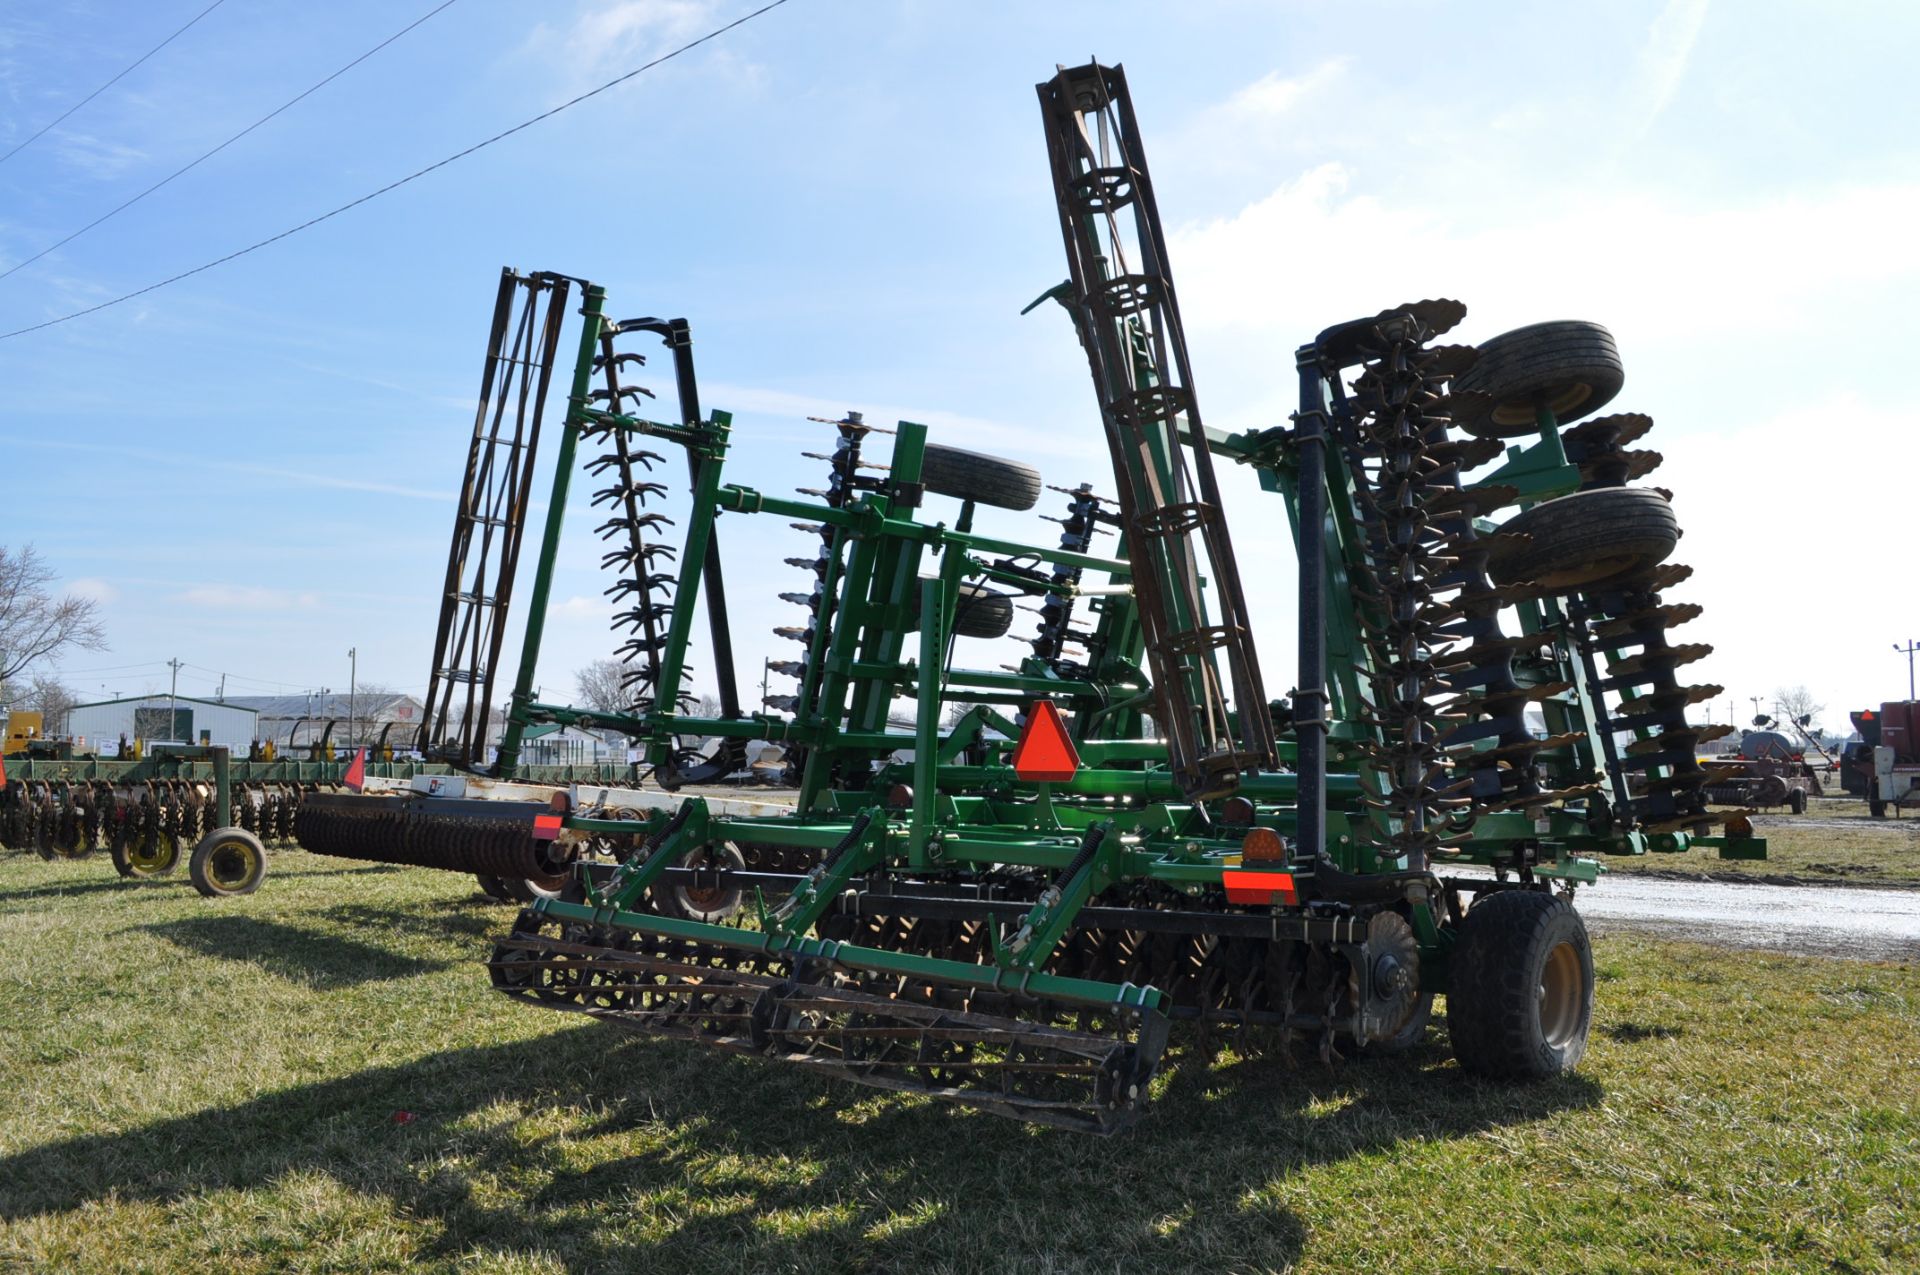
{"points": [[695, 904], [1797, 801], [1876, 804], [1587, 538], [1570, 367], [228, 861], [146, 861], [983, 479], [980, 612], [1520, 996]]}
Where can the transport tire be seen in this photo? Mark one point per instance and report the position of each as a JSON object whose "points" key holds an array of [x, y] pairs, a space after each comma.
{"points": [[228, 861], [1520, 994], [1587, 538], [976, 476], [980, 612], [1797, 801], [1570, 367]]}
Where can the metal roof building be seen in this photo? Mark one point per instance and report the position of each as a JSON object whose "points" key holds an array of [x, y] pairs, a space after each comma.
{"points": [[99, 727]]}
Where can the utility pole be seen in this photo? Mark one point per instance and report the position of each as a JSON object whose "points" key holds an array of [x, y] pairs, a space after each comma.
{"points": [[1756, 703], [173, 688], [1908, 651], [353, 692], [222, 695]]}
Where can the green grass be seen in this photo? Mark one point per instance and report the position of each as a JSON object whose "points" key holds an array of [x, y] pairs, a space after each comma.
{"points": [[213, 1086], [1834, 841]]}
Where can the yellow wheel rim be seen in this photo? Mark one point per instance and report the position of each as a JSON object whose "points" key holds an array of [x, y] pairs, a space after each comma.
{"points": [[232, 864], [152, 853]]}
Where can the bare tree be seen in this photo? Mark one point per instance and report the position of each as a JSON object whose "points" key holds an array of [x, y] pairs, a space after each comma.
{"points": [[53, 701], [1797, 702], [33, 623], [597, 686], [367, 704]]}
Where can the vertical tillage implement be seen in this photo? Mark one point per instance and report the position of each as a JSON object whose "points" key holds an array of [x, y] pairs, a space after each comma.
{"points": [[1003, 886]]}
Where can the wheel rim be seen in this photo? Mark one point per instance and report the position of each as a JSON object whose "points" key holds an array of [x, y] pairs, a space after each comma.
{"points": [[1561, 996], [706, 900], [149, 853], [232, 864]]}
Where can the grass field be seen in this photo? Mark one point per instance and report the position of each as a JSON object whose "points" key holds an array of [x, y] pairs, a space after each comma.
{"points": [[1834, 841], [316, 1079]]}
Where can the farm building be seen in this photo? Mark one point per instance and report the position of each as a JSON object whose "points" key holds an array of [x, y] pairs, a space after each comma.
{"points": [[554, 745], [99, 727]]}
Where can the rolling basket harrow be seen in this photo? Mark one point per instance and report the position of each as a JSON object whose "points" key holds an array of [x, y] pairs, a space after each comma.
{"points": [[1010, 905]]}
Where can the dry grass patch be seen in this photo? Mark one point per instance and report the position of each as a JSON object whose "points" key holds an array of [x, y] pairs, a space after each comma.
{"points": [[214, 1086]]}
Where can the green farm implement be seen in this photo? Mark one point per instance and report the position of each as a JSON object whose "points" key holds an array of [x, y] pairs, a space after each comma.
{"points": [[1006, 886], [150, 815]]}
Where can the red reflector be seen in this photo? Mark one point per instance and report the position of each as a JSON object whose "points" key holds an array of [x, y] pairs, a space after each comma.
{"points": [[1045, 753], [1258, 887], [546, 827]]}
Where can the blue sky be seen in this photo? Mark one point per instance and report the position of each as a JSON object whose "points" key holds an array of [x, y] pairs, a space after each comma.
{"points": [[255, 469]]}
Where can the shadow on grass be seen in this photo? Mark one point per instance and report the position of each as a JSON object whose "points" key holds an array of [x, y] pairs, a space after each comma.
{"points": [[474, 917], [321, 961], [111, 880], [671, 1156]]}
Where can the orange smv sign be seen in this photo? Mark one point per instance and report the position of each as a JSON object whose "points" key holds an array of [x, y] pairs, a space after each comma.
{"points": [[1045, 752]]}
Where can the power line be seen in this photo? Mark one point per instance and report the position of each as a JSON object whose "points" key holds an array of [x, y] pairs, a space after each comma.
{"points": [[110, 83], [524, 124], [110, 668], [114, 212]]}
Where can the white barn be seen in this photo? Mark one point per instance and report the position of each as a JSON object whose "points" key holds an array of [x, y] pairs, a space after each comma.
{"points": [[99, 727]]}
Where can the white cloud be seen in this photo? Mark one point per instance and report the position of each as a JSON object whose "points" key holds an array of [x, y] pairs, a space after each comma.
{"points": [[1793, 529], [93, 589], [1274, 94], [608, 38], [1316, 251], [236, 597], [1661, 65], [95, 156]]}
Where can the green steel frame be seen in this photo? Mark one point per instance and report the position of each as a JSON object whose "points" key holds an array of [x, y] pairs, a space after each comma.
{"points": [[958, 804]]}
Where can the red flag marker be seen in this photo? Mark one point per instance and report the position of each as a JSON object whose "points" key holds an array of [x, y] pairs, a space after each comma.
{"points": [[356, 776], [3, 772], [1045, 753], [547, 827]]}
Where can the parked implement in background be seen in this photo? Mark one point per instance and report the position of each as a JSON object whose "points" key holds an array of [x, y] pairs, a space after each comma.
{"points": [[1123, 831], [149, 813], [1768, 769], [1884, 767]]}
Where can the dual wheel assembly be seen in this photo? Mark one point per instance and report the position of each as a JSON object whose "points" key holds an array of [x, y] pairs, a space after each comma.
{"points": [[227, 861]]}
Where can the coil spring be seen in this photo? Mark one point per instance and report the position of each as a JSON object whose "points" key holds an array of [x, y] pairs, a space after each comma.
{"points": [[643, 591]]}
